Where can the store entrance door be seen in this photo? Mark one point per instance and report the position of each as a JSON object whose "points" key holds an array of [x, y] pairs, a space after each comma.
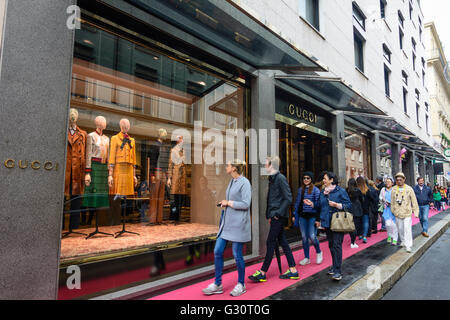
{"points": [[301, 151]]}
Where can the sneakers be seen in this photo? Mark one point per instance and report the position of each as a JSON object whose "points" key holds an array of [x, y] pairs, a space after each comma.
{"points": [[213, 289], [337, 277], [319, 258], [389, 240], [331, 271], [258, 277], [304, 262], [290, 275], [364, 239], [354, 246], [238, 290], [394, 242], [408, 249]]}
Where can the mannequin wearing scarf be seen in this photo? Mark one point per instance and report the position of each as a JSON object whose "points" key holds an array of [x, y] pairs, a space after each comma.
{"points": [[122, 162]]}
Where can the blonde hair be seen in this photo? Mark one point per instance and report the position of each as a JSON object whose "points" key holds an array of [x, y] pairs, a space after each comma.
{"points": [[361, 183], [373, 185], [238, 165]]}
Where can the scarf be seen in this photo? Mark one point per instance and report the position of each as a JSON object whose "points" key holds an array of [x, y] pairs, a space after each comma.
{"points": [[327, 190], [126, 139]]}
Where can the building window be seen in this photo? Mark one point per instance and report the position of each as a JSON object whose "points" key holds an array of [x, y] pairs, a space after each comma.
{"points": [[405, 100], [413, 43], [417, 114], [383, 8], [386, 81], [401, 35], [309, 10], [423, 78], [423, 63], [414, 60], [426, 122], [426, 106], [359, 53], [401, 19], [386, 53], [359, 16], [404, 77], [417, 94]]}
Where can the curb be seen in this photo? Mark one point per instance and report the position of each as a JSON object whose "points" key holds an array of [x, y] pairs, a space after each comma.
{"points": [[388, 272]]}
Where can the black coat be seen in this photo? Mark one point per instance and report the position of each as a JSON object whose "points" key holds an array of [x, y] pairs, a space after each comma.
{"points": [[356, 197], [279, 197]]}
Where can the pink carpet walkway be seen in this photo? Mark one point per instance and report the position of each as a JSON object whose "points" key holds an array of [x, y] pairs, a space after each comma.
{"points": [[259, 291]]}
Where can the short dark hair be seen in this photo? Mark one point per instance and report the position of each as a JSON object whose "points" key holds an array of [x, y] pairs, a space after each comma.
{"points": [[420, 178], [332, 175]]}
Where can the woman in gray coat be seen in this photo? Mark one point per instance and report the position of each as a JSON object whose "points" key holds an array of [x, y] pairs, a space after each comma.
{"points": [[234, 227]]}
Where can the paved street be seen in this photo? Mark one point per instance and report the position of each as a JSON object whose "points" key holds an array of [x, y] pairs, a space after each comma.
{"points": [[428, 278]]}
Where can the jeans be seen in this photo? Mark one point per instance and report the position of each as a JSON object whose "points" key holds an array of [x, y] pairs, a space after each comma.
{"points": [[238, 256], [335, 240], [423, 216], [309, 232], [383, 222], [365, 224], [276, 232], [437, 205]]}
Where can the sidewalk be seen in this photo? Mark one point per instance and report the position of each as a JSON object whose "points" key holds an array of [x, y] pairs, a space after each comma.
{"points": [[274, 285]]}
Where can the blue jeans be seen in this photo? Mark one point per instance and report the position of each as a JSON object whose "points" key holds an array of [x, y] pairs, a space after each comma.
{"points": [[238, 256], [309, 231], [437, 205], [365, 224], [423, 216]]}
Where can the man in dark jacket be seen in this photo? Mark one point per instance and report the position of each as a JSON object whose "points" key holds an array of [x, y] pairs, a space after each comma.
{"points": [[424, 197], [279, 198]]}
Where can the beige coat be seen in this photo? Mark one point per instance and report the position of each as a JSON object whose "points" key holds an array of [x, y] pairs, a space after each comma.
{"points": [[177, 171], [409, 202]]}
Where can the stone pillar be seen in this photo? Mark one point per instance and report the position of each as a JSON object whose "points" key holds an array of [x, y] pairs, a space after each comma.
{"points": [[375, 154], [410, 171], [262, 117], [338, 140], [422, 167], [430, 170], [395, 156], [35, 82]]}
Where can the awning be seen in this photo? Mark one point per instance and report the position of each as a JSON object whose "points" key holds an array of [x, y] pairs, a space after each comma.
{"points": [[228, 28], [332, 92]]}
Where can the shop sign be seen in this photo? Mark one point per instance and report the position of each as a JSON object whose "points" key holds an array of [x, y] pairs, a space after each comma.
{"points": [[302, 114], [35, 165], [447, 153]]}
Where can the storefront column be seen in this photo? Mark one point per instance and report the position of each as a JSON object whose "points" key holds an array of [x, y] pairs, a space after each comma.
{"points": [[410, 170], [338, 140], [430, 170], [34, 103], [422, 166], [262, 117], [396, 163], [375, 154]]}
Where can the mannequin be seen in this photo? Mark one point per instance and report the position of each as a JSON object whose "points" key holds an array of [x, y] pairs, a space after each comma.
{"points": [[96, 178], [177, 178], [75, 166], [122, 166]]}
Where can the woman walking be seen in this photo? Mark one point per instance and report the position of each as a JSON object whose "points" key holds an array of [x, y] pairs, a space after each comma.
{"points": [[443, 198], [388, 216], [234, 227], [367, 202], [333, 199], [437, 198], [355, 196], [307, 216]]}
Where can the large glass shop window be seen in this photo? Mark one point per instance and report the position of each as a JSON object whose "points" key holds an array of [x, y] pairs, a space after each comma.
{"points": [[130, 172], [385, 152], [356, 155]]}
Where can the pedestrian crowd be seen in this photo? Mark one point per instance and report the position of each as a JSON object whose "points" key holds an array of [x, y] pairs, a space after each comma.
{"points": [[323, 205]]}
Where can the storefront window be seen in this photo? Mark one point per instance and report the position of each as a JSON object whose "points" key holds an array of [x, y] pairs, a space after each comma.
{"points": [[131, 161], [356, 155], [385, 152]]}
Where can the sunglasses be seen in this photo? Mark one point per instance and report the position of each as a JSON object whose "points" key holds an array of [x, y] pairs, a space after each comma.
{"points": [[306, 178]]}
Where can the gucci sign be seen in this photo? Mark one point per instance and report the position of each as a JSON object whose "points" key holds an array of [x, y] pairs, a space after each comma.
{"points": [[35, 165], [302, 114]]}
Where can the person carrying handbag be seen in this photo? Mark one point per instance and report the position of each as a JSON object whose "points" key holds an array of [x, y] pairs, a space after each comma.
{"points": [[333, 199]]}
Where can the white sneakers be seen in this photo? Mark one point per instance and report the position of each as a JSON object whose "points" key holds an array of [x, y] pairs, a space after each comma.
{"points": [[408, 249], [215, 289], [319, 258], [306, 261], [238, 290], [354, 246]]}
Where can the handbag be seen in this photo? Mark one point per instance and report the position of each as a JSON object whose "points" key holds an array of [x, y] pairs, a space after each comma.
{"points": [[342, 221]]}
